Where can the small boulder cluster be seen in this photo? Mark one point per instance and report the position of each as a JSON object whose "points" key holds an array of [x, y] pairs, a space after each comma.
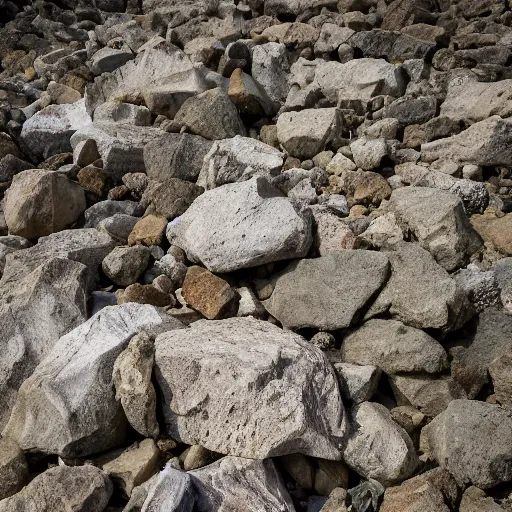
{"points": [[256, 255]]}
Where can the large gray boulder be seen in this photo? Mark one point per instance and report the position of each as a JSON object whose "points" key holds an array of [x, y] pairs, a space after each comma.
{"points": [[68, 405], [330, 292], [377, 447], [238, 159], [41, 202], [249, 377], [486, 143], [473, 441], [242, 225], [394, 347], [438, 221], [61, 489]]}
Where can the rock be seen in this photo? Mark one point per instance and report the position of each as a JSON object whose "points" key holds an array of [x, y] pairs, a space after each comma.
{"points": [[486, 143], [471, 440], [336, 501], [331, 37], [502, 272], [366, 496], [248, 96], [494, 231], [394, 347], [249, 304], [85, 153], [481, 287], [134, 389], [323, 340], [198, 457], [171, 198], [238, 159], [171, 267], [215, 349], [40, 202], [93, 179], [10, 165], [124, 265], [378, 448], [357, 383], [490, 343], [330, 475], [300, 35], [210, 114], [438, 221], [105, 209], [176, 155], [145, 294], [300, 468], [81, 360], [134, 466], [119, 226], [332, 233], [81, 489], [13, 468], [368, 153], [108, 59], [434, 302], [382, 231], [10, 244], [402, 13], [306, 133], [117, 112], [219, 232], [359, 79], [330, 292], [148, 231], [412, 110], [8, 147], [475, 500], [61, 94], [48, 131], [209, 294], [362, 187]]}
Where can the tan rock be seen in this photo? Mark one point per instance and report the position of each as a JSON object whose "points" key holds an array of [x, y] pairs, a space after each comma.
{"points": [[494, 230], [197, 457], [92, 179], [13, 468], [330, 475], [145, 294], [148, 231], [475, 500], [336, 501], [209, 294]]}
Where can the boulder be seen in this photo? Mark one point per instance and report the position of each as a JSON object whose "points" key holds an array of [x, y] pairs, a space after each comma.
{"points": [[134, 389], [438, 221], [68, 405], [41, 202], [13, 468], [210, 114], [357, 383], [242, 225], [473, 441], [238, 159], [81, 489], [242, 382], [394, 347], [124, 265], [304, 134], [377, 447], [330, 292]]}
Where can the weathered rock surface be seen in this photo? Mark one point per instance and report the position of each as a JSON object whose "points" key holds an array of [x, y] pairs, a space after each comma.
{"points": [[13, 468], [242, 225], [249, 376], [124, 265]]}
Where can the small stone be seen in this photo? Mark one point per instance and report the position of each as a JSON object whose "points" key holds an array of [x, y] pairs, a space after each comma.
{"points": [[368, 153], [92, 179], [323, 340], [339, 164], [148, 231], [145, 294]]}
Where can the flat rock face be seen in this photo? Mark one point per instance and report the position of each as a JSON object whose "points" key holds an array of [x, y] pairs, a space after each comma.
{"points": [[248, 376], [472, 440], [242, 225], [330, 292], [42, 418]]}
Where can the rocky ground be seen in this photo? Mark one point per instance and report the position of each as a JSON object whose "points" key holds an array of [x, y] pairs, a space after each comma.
{"points": [[256, 256]]}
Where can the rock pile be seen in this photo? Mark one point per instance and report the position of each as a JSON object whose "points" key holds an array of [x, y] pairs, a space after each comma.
{"points": [[255, 255]]}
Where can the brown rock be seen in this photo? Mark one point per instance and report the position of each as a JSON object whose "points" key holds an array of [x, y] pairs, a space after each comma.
{"points": [[8, 146], [414, 136], [148, 231], [244, 93], [93, 180], [336, 501], [209, 294], [118, 193], [501, 376], [144, 294], [494, 230], [362, 187], [475, 500], [55, 162]]}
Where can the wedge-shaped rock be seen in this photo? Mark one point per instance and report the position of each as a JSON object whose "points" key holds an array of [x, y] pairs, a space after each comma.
{"points": [[330, 292], [68, 405], [228, 482], [252, 390], [421, 293], [359, 79], [48, 131], [242, 225], [473, 441], [438, 221], [81, 489], [238, 159], [486, 143], [394, 347], [378, 448]]}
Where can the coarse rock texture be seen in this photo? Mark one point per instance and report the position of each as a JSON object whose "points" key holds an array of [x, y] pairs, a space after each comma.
{"points": [[472, 440], [242, 225], [13, 468], [42, 415], [248, 376]]}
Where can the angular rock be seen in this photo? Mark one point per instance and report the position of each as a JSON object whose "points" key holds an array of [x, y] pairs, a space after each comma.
{"points": [[330, 292], [495, 231], [148, 231], [248, 96], [13, 468], [10, 244], [124, 265], [108, 59], [438, 221], [145, 294], [198, 457], [105, 209], [503, 274], [210, 114], [332, 233], [132, 379], [264, 391], [241, 225], [481, 287], [394, 347], [473, 441], [368, 153], [209, 294], [475, 500], [116, 112], [357, 383], [75, 424], [119, 226], [378, 448], [238, 159]]}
